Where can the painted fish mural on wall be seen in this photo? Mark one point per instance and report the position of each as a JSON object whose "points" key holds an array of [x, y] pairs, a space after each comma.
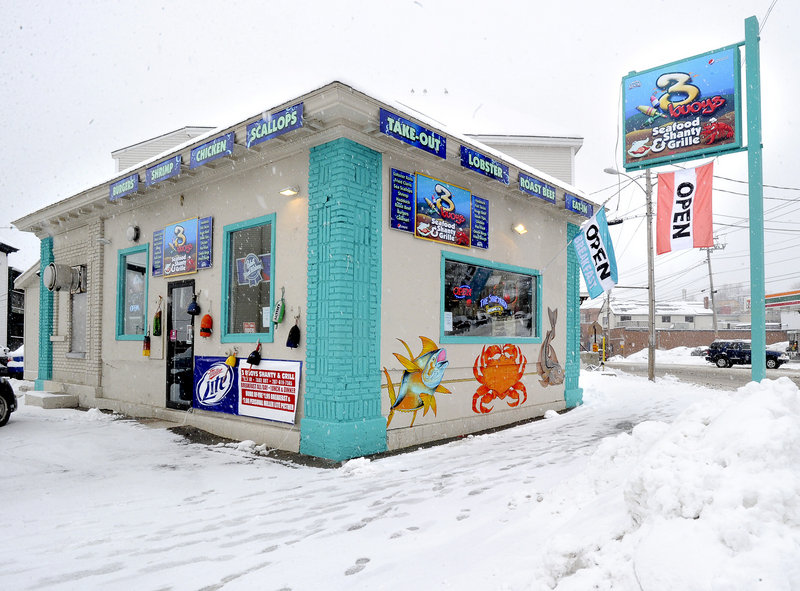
{"points": [[548, 367], [499, 369], [420, 382]]}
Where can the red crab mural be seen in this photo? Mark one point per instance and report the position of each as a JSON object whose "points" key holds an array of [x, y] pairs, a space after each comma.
{"points": [[715, 130], [499, 369]]}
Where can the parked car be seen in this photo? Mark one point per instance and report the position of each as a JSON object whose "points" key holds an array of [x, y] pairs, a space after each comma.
{"points": [[16, 363], [8, 401], [737, 352], [3, 361]]}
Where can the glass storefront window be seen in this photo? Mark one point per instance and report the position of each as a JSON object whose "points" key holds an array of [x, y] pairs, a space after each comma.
{"points": [[483, 300], [132, 293], [248, 290]]}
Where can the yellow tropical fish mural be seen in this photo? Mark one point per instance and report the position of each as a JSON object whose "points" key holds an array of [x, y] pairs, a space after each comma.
{"points": [[420, 382]]}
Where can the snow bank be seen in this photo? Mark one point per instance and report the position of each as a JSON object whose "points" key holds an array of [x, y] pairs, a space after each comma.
{"points": [[711, 502]]}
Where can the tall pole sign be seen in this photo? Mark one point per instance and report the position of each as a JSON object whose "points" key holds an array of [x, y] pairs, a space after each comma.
{"points": [[692, 109], [758, 312]]}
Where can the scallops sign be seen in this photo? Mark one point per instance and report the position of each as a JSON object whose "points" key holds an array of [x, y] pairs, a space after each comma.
{"points": [[682, 111]]}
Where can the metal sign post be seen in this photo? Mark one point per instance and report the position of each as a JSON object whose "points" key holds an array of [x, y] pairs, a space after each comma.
{"points": [[758, 313]]}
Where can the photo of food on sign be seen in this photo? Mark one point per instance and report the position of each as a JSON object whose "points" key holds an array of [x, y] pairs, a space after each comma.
{"points": [[682, 110], [443, 212]]}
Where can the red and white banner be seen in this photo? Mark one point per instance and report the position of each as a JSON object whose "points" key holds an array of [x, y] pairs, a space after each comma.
{"points": [[684, 209]]}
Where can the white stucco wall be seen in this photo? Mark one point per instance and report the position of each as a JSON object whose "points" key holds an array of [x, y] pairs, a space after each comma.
{"points": [[249, 193], [411, 287]]}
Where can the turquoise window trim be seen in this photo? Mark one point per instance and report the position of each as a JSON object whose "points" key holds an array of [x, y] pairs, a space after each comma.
{"points": [[121, 254], [450, 339], [244, 337]]}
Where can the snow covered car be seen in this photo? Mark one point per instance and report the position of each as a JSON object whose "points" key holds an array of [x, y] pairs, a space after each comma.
{"points": [[8, 401], [737, 352]]}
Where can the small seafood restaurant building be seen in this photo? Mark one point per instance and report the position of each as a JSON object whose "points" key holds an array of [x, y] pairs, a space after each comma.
{"points": [[334, 276]]}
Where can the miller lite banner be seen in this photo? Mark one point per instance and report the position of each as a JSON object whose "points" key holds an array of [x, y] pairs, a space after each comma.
{"points": [[596, 254], [683, 217]]}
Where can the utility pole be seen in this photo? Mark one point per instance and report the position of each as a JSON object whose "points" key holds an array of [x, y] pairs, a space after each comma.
{"points": [[651, 281], [717, 246]]}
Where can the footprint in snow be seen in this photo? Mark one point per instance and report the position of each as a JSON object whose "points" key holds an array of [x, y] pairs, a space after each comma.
{"points": [[360, 564]]}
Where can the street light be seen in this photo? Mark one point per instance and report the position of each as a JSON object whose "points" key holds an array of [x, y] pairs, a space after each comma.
{"points": [[651, 302]]}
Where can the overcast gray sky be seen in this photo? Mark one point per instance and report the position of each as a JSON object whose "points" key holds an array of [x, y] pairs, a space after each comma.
{"points": [[81, 79]]}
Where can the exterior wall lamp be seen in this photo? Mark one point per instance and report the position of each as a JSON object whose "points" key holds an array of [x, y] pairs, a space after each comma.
{"points": [[290, 191], [519, 228]]}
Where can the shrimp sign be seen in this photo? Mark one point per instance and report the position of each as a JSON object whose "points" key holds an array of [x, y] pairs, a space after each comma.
{"points": [[596, 255]]}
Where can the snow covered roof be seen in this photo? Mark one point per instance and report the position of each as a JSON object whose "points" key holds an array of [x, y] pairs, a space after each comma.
{"points": [[640, 308], [326, 107]]}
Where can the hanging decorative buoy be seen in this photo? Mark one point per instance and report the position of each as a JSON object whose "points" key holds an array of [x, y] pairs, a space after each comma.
{"points": [[205, 326], [277, 317], [194, 308], [157, 320], [231, 360], [255, 357], [293, 340], [146, 345]]}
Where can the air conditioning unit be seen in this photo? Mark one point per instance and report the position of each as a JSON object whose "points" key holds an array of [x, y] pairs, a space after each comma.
{"points": [[57, 277]]}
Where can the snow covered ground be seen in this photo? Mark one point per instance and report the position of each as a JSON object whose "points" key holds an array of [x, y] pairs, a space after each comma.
{"points": [[653, 486]]}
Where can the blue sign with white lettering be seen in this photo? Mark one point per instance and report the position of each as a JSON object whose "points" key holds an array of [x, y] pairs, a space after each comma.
{"points": [[480, 222], [484, 165], [216, 148], [535, 187], [123, 187], [402, 199], [163, 171], [274, 125], [580, 206], [413, 134]]}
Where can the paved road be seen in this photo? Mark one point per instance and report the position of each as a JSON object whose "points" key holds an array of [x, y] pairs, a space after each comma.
{"points": [[729, 378]]}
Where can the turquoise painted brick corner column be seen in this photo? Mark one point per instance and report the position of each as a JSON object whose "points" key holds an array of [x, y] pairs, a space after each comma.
{"points": [[342, 374], [45, 317], [573, 394]]}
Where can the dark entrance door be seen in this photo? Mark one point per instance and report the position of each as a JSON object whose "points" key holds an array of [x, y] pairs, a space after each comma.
{"points": [[180, 345]]}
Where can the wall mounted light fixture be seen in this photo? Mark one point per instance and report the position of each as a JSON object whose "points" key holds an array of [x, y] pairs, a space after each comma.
{"points": [[132, 233], [519, 228], [290, 191]]}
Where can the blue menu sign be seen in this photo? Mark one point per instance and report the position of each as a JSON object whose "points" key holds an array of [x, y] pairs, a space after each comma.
{"points": [[580, 206], [204, 235], [158, 253], [402, 201], [274, 125], [123, 187], [480, 222], [163, 171], [414, 135], [484, 165], [535, 187], [216, 148]]}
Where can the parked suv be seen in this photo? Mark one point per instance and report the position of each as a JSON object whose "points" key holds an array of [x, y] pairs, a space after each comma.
{"points": [[737, 352]]}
